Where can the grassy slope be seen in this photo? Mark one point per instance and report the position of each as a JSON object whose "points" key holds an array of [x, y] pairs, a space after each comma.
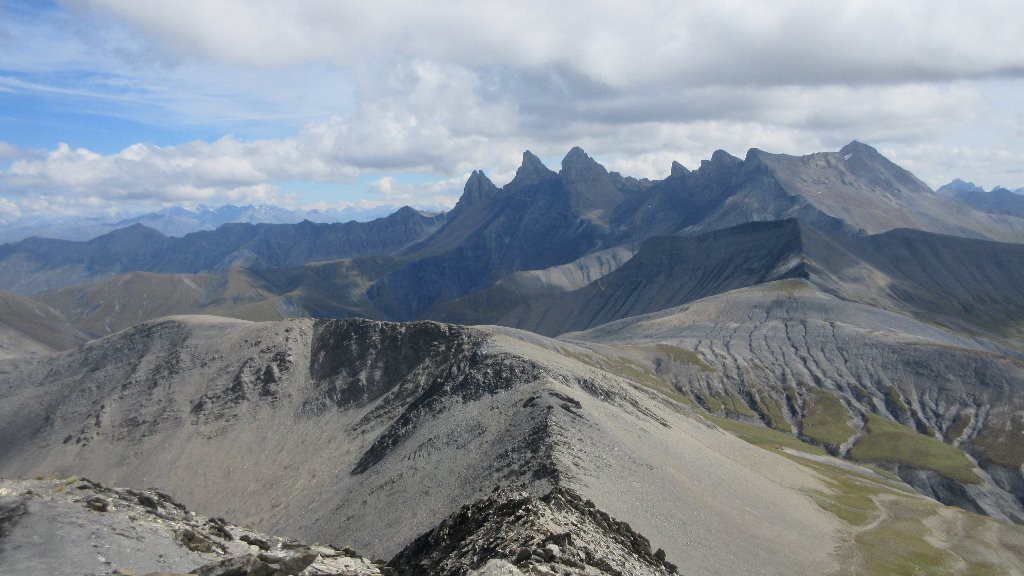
{"points": [[826, 419], [1004, 443], [888, 442], [892, 531]]}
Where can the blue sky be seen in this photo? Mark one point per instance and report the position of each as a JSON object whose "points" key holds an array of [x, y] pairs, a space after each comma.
{"points": [[115, 105]]}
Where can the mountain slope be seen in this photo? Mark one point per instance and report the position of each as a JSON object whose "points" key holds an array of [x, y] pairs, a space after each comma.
{"points": [[966, 284], [377, 432], [665, 272], [804, 362], [29, 327]]}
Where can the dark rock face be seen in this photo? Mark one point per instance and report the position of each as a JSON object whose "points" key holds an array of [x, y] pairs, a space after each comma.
{"points": [[358, 361], [559, 532]]}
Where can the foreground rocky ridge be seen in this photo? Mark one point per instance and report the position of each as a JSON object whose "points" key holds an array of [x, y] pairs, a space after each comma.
{"points": [[514, 533], [83, 528], [104, 531]]}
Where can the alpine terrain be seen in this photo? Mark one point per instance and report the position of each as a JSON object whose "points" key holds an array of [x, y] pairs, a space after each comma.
{"points": [[763, 365]]}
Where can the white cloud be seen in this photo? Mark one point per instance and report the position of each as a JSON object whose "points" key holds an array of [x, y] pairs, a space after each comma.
{"points": [[9, 151], [939, 164], [694, 43], [326, 91], [440, 194], [9, 210]]}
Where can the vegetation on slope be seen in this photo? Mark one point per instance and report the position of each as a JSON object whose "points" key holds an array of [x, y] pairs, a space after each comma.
{"points": [[887, 442], [1004, 445], [826, 420], [892, 531]]}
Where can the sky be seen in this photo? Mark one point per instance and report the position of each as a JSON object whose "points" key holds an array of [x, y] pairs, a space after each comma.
{"points": [[108, 106]]}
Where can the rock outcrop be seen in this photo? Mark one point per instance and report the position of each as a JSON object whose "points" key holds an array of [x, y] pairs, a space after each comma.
{"points": [[77, 527], [512, 532]]}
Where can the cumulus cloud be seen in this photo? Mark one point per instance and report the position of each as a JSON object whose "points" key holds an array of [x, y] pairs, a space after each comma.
{"points": [[694, 43], [423, 118], [338, 92], [939, 164]]}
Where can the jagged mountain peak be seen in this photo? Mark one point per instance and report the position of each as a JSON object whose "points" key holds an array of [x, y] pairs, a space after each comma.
{"points": [[531, 171], [723, 156], [478, 184], [577, 161], [405, 213], [678, 169], [720, 161], [856, 146]]}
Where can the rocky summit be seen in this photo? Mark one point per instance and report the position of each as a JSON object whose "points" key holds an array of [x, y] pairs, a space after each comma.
{"points": [[512, 532]]}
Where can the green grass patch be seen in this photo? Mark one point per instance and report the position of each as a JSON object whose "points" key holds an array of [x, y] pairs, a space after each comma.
{"points": [[764, 437], [733, 404], [889, 442], [773, 412], [898, 547], [1004, 444], [789, 286], [709, 402], [826, 420], [893, 531], [896, 403]]}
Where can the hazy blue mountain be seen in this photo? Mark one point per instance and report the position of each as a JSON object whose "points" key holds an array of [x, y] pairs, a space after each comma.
{"points": [[37, 264], [997, 201], [179, 221]]}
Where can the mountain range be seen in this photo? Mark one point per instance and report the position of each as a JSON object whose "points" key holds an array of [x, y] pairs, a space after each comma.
{"points": [[793, 365], [177, 221], [996, 201]]}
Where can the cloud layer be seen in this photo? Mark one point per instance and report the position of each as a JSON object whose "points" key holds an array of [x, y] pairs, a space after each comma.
{"points": [[348, 93]]}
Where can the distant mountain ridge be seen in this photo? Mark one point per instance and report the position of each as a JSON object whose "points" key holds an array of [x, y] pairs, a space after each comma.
{"points": [[492, 239], [38, 264], [999, 200], [178, 221]]}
